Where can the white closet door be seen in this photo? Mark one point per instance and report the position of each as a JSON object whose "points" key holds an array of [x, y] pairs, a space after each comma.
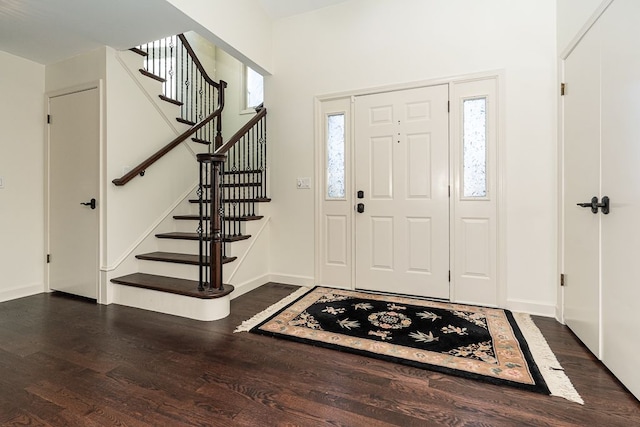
{"points": [[581, 183], [621, 182], [74, 137]]}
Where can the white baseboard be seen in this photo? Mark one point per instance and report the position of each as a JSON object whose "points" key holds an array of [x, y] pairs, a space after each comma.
{"points": [[177, 305], [21, 292], [290, 279], [531, 307], [249, 285]]}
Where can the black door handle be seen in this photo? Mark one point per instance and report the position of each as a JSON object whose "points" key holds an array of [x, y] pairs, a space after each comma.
{"points": [[594, 205], [604, 205], [91, 203], [360, 207]]}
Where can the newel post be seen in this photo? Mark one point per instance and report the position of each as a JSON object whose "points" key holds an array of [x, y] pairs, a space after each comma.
{"points": [[210, 225]]}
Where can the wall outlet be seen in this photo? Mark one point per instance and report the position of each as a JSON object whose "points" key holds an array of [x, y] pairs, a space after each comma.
{"points": [[303, 183]]}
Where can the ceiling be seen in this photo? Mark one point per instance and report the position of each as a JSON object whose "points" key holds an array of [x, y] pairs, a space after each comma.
{"points": [[47, 31]]}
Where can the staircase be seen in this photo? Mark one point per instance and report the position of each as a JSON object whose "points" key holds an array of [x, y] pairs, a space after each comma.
{"points": [[184, 276]]}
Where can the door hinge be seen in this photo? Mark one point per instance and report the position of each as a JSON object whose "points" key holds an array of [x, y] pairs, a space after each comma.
{"points": [[449, 275], [563, 88], [48, 118], [48, 258], [562, 279], [449, 191], [448, 106]]}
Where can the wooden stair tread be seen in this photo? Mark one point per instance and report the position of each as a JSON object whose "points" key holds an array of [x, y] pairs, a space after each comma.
{"points": [[185, 121], [256, 200], [171, 100], [179, 235], [241, 172], [178, 258], [139, 51], [240, 184], [153, 76], [172, 285], [226, 218], [201, 141]]}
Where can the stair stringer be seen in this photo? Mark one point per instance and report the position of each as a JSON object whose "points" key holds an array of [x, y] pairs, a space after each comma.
{"points": [[146, 241], [132, 63], [134, 130]]}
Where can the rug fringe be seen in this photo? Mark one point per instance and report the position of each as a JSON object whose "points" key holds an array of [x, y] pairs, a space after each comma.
{"points": [[265, 314], [559, 384]]}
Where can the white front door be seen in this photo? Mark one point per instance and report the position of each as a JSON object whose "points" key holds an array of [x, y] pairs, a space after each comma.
{"points": [[73, 183], [581, 183], [402, 170]]}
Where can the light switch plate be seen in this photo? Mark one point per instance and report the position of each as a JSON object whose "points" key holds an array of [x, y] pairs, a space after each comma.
{"points": [[303, 183]]}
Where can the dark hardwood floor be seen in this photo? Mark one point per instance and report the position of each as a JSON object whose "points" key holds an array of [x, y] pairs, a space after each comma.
{"points": [[65, 361]]}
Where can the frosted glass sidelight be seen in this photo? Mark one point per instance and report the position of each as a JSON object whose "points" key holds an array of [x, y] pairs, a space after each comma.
{"points": [[474, 143], [335, 156]]}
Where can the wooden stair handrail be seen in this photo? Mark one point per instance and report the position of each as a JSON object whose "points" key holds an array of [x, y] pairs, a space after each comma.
{"points": [[196, 61], [243, 130], [142, 167]]}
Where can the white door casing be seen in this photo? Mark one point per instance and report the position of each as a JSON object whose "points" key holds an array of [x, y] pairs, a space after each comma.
{"points": [[401, 165], [473, 223], [74, 135]]}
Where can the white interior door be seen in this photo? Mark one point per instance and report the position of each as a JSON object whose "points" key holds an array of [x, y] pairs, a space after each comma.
{"points": [[602, 296], [620, 65], [73, 180], [402, 168], [581, 183]]}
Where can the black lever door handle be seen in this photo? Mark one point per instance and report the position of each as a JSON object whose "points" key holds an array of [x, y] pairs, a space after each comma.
{"points": [[91, 203], [360, 207], [594, 205]]}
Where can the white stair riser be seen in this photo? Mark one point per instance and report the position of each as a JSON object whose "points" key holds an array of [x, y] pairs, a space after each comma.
{"points": [[182, 271], [190, 226], [192, 246]]}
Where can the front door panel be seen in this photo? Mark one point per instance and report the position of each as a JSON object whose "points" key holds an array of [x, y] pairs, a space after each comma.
{"points": [[402, 158]]}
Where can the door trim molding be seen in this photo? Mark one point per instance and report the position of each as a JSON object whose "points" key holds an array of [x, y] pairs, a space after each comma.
{"points": [[99, 85], [564, 54], [501, 238]]}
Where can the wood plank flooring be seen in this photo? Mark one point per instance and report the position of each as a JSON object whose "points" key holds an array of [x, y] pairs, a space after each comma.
{"points": [[65, 361]]}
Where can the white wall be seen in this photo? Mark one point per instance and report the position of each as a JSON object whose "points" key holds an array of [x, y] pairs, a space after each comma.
{"points": [[368, 43], [135, 129], [21, 167], [231, 70], [572, 16], [241, 27]]}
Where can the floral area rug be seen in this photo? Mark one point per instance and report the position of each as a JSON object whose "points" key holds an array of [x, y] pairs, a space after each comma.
{"points": [[482, 343]]}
